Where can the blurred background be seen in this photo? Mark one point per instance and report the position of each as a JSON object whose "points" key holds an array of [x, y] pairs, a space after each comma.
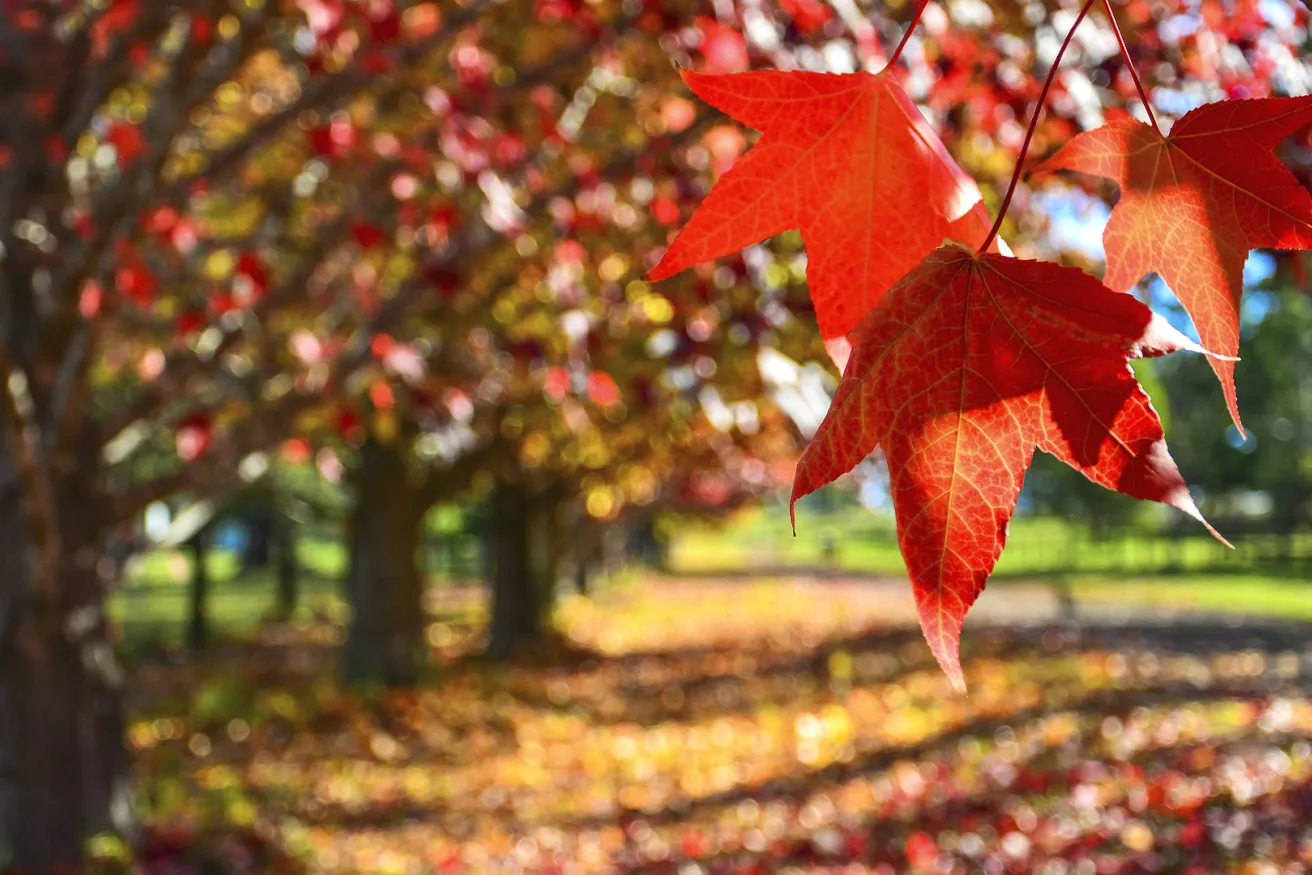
{"points": [[362, 509]]}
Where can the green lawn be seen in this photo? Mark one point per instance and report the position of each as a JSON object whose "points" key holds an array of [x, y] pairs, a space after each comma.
{"points": [[153, 606], [1138, 570], [1263, 595], [1189, 573], [856, 540]]}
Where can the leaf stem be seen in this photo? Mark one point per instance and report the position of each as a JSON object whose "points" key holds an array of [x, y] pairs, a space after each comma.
{"points": [[906, 35], [1034, 123], [1134, 73]]}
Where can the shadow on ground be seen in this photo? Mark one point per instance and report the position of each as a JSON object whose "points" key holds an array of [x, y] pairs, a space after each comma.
{"points": [[813, 731]]}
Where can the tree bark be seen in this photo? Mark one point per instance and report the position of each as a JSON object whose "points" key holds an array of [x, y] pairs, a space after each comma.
{"points": [[63, 766], [289, 583], [198, 629], [520, 571], [259, 537], [385, 641], [647, 548], [582, 575], [614, 548], [583, 548]]}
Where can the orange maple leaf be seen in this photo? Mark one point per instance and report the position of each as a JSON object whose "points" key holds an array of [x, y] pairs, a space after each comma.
{"points": [[848, 160], [1194, 202], [967, 365]]}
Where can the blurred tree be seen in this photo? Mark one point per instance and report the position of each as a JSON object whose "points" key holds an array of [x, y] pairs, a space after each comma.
{"points": [[1268, 474], [288, 569], [179, 193], [547, 376], [198, 627]]}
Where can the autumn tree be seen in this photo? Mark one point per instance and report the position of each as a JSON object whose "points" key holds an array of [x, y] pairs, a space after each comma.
{"points": [[182, 188], [1271, 461], [566, 401], [546, 369]]}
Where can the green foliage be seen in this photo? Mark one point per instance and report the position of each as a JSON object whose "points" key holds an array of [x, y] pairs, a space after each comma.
{"points": [[1275, 383]]}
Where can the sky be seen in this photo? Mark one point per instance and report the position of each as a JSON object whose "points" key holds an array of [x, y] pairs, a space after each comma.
{"points": [[1078, 220]]}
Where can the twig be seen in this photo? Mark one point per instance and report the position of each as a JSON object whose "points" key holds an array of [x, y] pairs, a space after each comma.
{"points": [[1034, 123], [24, 440], [906, 36], [1134, 73]]}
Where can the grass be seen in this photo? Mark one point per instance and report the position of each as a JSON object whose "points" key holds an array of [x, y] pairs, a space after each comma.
{"points": [[858, 541], [153, 606], [1135, 570], [1154, 571], [1249, 594]]}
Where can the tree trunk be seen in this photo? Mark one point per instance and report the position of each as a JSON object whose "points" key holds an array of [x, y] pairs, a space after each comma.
{"points": [[519, 571], [584, 542], [63, 766], [614, 548], [384, 643], [198, 629], [289, 584], [582, 575], [259, 538], [647, 547]]}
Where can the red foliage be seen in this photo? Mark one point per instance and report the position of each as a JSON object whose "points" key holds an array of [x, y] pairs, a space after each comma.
{"points": [[1195, 202], [959, 373], [870, 197]]}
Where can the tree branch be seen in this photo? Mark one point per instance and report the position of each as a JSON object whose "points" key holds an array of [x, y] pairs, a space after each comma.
{"points": [[318, 95], [183, 366], [171, 104], [101, 76], [447, 483], [476, 237], [24, 439], [257, 432]]}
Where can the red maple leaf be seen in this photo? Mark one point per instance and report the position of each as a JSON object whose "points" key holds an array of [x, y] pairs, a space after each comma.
{"points": [[849, 161], [190, 323], [118, 15], [194, 436], [665, 210], [724, 49], [921, 850], [253, 279], [1194, 202], [808, 15], [136, 282], [602, 389], [127, 140], [966, 366], [367, 236], [384, 24]]}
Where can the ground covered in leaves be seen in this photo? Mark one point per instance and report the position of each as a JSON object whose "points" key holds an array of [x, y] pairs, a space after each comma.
{"points": [[698, 727]]}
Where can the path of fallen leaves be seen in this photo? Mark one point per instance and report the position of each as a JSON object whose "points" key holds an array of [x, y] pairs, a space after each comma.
{"points": [[699, 727]]}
